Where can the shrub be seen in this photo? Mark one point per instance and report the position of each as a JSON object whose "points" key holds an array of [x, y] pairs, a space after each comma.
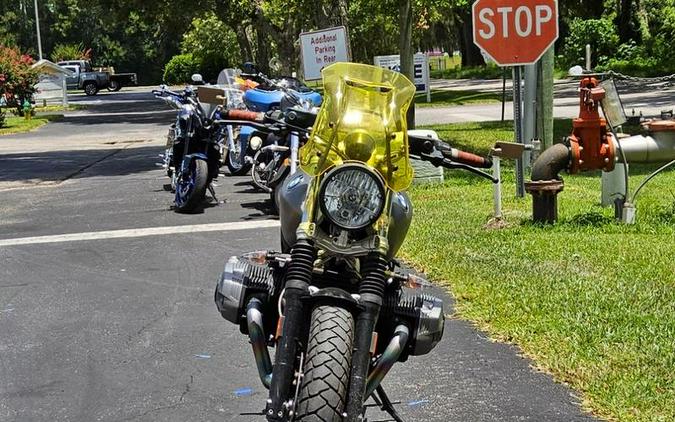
{"points": [[488, 71], [62, 52], [180, 68], [599, 33], [212, 43], [17, 78]]}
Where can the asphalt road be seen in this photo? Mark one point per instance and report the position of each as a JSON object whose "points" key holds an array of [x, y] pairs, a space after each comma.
{"points": [[123, 327]]}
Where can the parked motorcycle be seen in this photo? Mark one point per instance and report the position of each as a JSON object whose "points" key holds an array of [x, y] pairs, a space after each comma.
{"points": [[193, 149], [236, 154], [272, 152], [333, 301]]}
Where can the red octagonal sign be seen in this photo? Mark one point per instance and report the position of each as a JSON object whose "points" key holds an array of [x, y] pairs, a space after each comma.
{"points": [[515, 32]]}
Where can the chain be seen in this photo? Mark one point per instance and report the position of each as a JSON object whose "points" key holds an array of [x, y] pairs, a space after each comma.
{"points": [[658, 79]]}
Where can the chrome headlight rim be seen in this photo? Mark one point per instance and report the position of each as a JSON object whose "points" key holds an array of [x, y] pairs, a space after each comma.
{"points": [[351, 166]]}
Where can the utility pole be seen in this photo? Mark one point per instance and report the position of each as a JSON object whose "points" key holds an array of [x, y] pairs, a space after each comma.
{"points": [[37, 26]]}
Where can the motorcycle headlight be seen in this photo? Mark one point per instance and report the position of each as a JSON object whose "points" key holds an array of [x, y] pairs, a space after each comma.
{"points": [[352, 196]]}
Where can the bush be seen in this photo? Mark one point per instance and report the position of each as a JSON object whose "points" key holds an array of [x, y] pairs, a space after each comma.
{"points": [[489, 71], [17, 78], [62, 52], [599, 33], [213, 44], [180, 68]]}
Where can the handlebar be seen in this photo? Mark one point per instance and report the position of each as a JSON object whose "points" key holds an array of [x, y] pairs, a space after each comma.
{"points": [[245, 115], [468, 158], [440, 154]]}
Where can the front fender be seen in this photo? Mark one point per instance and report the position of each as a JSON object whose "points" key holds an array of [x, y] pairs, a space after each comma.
{"points": [[334, 296], [187, 159]]}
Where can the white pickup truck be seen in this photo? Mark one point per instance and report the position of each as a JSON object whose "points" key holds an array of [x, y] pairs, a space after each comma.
{"points": [[91, 81]]}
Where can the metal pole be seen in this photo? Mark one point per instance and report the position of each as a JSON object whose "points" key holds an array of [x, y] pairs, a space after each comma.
{"points": [[503, 91], [518, 129], [588, 57], [529, 109], [37, 26]]}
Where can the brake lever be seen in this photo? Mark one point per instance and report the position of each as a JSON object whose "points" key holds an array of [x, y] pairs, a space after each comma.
{"points": [[449, 164], [437, 159]]}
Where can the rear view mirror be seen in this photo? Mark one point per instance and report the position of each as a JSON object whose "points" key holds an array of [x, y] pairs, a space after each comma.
{"points": [[197, 79]]}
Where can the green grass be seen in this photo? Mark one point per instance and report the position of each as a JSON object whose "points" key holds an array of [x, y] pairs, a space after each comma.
{"points": [[590, 300], [53, 108], [491, 71], [442, 98], [19, 124]]}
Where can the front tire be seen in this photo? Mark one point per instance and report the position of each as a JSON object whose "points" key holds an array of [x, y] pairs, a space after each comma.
{"points": [[236, 163], [323, 393], [90, 88], [191, 187], [114, 86]]}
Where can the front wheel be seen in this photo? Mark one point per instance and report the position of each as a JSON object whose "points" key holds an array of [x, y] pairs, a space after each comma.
{"points": [[236, 162], [114, 86], [90, 88], [191, 186], [326, 373]]}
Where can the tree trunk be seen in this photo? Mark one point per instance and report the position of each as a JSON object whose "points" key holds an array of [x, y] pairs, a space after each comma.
{"points": [[244, 43], [405, 47], [626, 21], [471, 55]]}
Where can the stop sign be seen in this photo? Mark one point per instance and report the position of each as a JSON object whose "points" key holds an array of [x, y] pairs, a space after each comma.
{"points": [[515, 32]]}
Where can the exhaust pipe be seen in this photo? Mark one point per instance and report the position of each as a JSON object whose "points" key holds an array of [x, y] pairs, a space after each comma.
{"points": [[256, 333], [388, 359], [546, 182]]}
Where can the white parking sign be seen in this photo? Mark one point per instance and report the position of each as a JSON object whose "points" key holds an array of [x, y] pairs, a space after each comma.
{"points": [[322, 48], [421, 69]]}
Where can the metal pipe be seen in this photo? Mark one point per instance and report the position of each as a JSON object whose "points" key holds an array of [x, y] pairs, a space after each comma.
{"points": [[497, 187], [551, 162], [546, 182], [256, 334], [295, 146], [649, 149], [388, 358]]}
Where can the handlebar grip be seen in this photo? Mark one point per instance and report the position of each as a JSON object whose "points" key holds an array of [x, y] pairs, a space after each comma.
{"points": [[251, 116], [468, 158]]}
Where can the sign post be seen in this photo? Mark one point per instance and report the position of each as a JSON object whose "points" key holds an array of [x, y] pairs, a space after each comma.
{"points": [[515, 33], [322, 48]]}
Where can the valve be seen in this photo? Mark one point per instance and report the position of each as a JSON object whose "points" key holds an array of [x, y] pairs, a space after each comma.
{"points": [[591, 146]]}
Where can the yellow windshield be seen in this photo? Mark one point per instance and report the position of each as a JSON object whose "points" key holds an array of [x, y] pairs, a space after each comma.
{"points": [[362, 118]]}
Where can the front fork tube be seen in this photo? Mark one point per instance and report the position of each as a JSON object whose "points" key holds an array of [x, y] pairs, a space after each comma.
{"points": [[230, 139], [371, 291], [295, 146], [297, 283]]}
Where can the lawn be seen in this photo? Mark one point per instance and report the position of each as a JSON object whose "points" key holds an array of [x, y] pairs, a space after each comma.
{"points": [[591, 301], [440, 98], [14, 124]]}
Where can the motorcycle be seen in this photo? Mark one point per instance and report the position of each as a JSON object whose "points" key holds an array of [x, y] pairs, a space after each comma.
{"points": [[272, 152], [334, 302], [236, 154], [193, 149]]}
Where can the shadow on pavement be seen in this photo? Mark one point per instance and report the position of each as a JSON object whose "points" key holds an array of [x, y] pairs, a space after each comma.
{"points": [[55, 166]]}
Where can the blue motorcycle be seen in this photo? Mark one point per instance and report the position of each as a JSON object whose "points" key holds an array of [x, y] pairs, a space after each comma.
{"points": [[193, 154]]}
